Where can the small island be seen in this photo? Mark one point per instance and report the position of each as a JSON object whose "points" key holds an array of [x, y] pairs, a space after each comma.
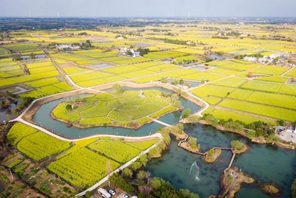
{"points": [[212, 155], [238, 147], [118, 108], [231, 182], [271, 189], [190, 145]]}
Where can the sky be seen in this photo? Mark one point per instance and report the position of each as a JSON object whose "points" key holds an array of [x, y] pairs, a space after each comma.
{"points": [[148, 8]]}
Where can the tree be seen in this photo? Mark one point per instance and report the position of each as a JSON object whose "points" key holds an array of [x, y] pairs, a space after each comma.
{"points": [[192, 141], [174, 97], [143, 160], [186, 113], [177, 104], [181, 81], [237, 145], [68, 107], [127, 173], [156, 183], [143, 175], [32, 56], [187, 194], [118, 89], [281, 122], [88, 194], [251, 133]]}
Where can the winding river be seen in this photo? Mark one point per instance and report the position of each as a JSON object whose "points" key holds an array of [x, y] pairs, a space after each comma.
{"points": [[266, 163]]}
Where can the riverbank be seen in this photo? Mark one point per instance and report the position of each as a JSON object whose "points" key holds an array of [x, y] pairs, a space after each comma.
{"points": [[258, 140]]}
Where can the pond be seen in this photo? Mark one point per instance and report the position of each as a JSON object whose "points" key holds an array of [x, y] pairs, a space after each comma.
{"points": [[199, 68], [6, 113], [261, 163], [218, 57], [192, 83]]}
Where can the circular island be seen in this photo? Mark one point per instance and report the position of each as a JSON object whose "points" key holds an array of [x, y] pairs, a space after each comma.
{"points": [[129, 109]]}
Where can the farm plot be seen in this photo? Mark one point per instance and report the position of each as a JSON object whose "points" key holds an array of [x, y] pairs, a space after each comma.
{"points": [[43, 82], [40, 145], [262, 86], [240, 94], [268, 111], [49, 89], [238, 65], [75, 70], [212, 100], [39, 64], [222, 71], [279, 79], [288, 89], [225, 115], [122, 69], [3, 51], [148, 64], [117, 151], [212, 90], [138, 73], [142, 145], [272, 70], [230, 82], [19, 131], [23, 47], [202, 76], [63, 85], [82, 167], [89, 76], [163, 68], [278, 100], [165, 54], [78, 58], [42, 70], [291, 73]]}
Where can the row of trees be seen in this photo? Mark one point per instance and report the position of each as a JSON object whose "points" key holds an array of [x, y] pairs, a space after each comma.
{"points": [[141, 183], [255, 129]]}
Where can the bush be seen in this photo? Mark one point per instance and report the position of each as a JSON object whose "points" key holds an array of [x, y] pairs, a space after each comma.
{"points": [[237, 145]]}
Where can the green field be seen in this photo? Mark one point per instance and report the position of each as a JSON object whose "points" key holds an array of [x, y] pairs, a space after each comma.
{"points": [[117, 151], [230, 82], [226, 115], [122, 108], [212, 90], [268, 111], [278, 100], [82, 167], [19, 131], [33, 143], [262, 86]]}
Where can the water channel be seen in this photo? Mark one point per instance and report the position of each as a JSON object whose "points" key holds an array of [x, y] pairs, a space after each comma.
{"points": [[266, 163]]}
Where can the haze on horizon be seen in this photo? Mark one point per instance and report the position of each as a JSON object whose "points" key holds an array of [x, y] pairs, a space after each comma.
{"points": [[148, 8]]}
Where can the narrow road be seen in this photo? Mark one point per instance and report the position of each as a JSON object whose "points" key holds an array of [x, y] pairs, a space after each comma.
{"points": [[287, 71]]}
